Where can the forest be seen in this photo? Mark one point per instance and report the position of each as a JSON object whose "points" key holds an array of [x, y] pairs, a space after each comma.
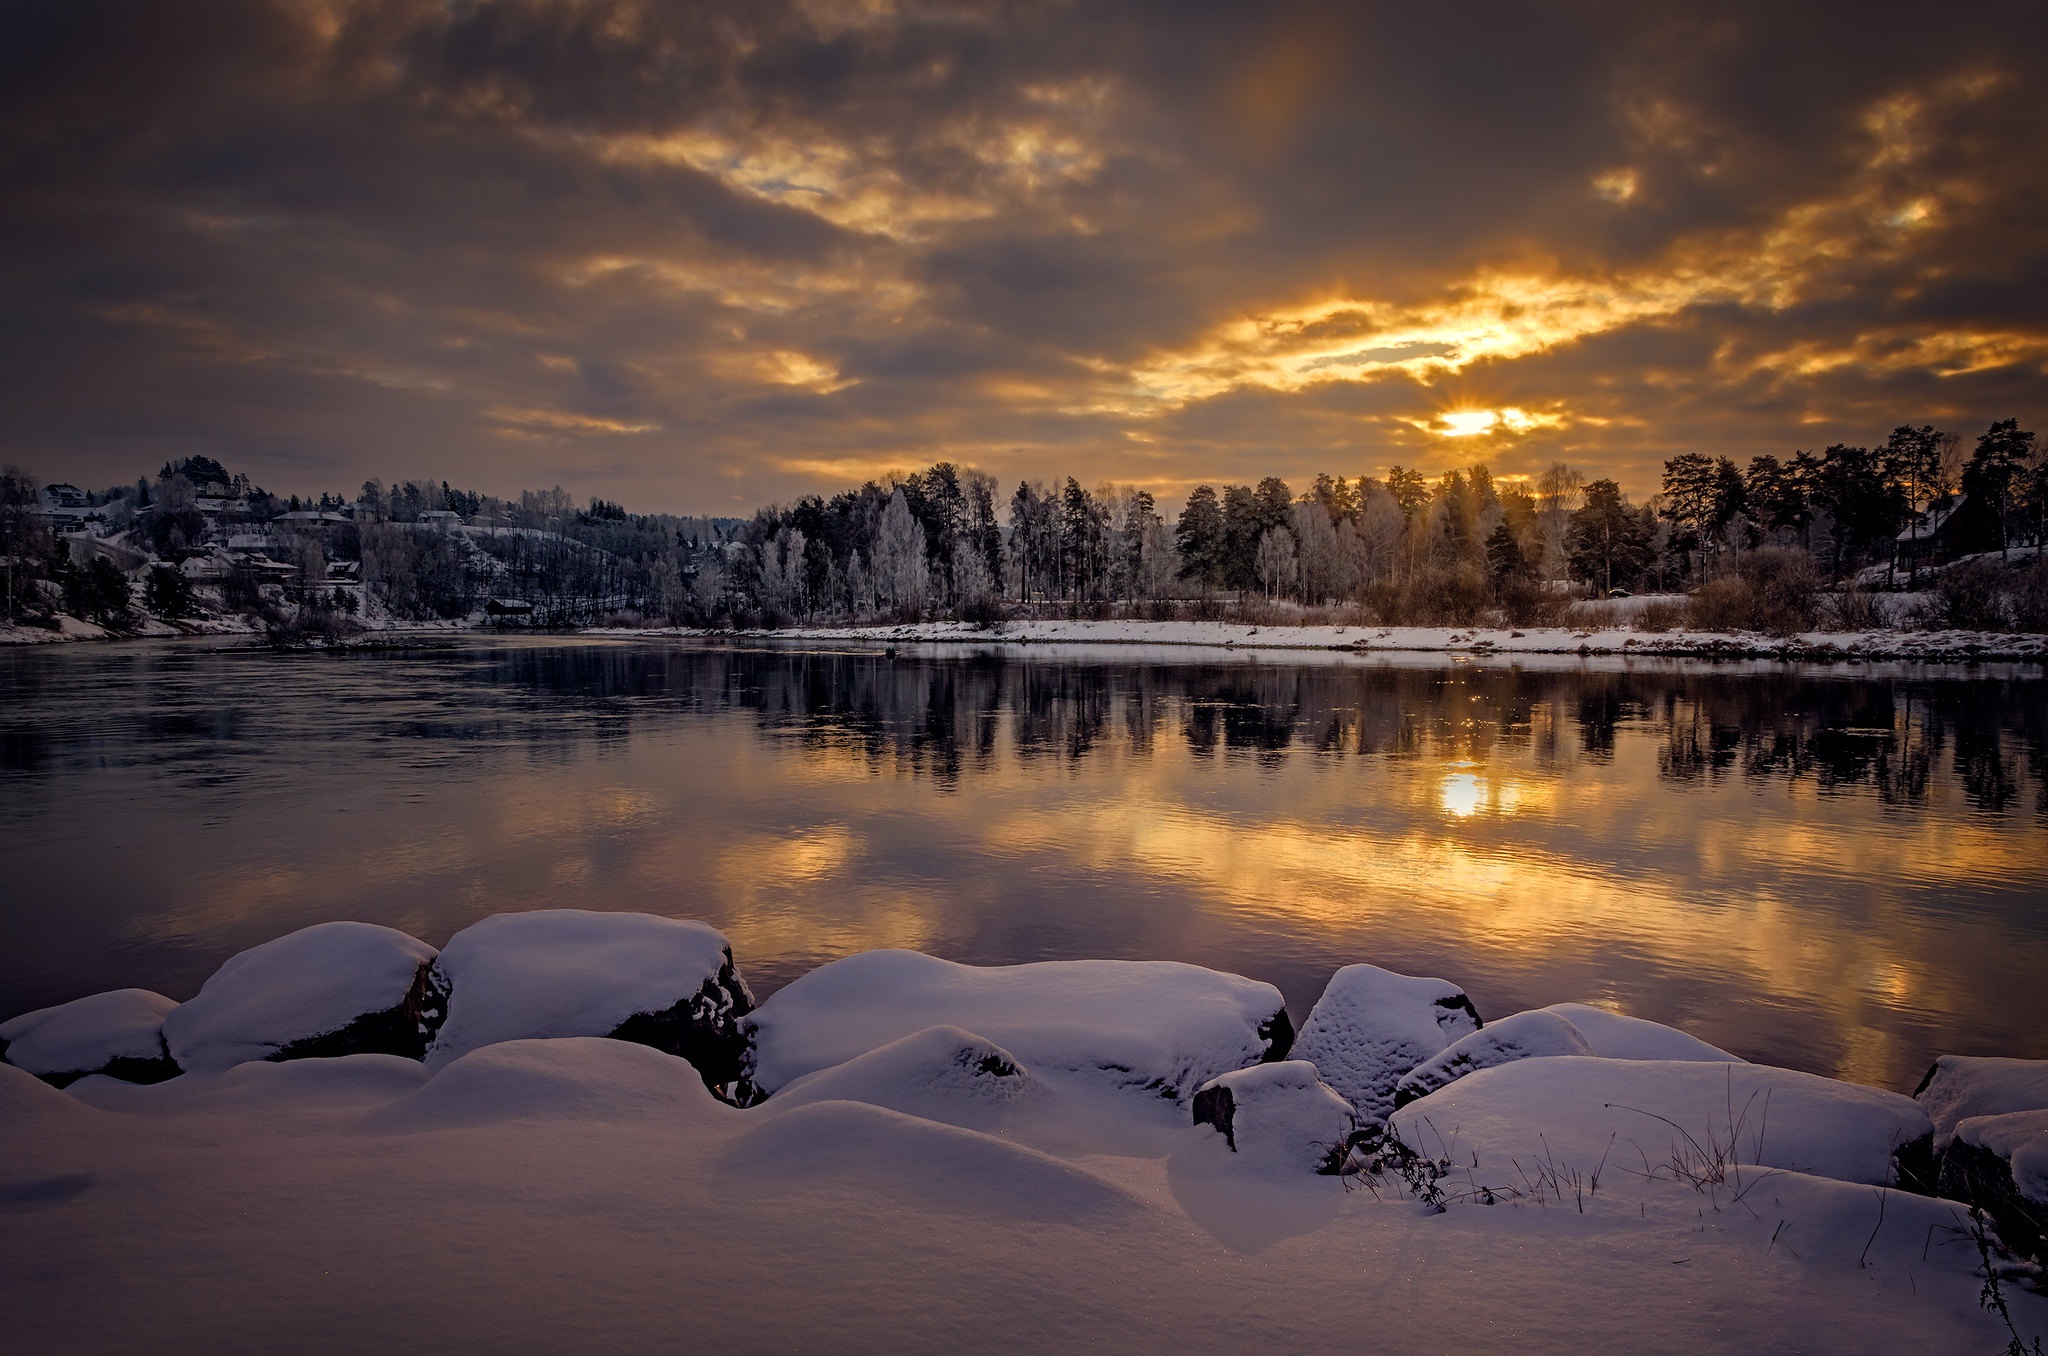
{"points": [[1923, 528]]}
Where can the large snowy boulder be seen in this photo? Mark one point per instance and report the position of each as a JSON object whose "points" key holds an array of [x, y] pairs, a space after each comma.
{"points": [[1525, 1035], [1372, 1026], [1958, 1087], [940, 1074], [1280, 1116], [2000, 1162], [1688, 1119], [1560, 1029], [331, 989], [570, 972], [1614, 1036], [119, 1034], [1159, 1026]]}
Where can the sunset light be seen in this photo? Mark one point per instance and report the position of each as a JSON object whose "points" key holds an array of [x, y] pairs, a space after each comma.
{"points": [[938, 675]]}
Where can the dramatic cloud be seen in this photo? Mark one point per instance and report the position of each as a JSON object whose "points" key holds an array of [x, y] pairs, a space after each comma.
{"points": [[697, 257]]}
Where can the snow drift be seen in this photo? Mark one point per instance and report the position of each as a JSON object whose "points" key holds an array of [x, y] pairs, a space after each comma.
{"points": [[1156, 1026], [1664, 1117]]}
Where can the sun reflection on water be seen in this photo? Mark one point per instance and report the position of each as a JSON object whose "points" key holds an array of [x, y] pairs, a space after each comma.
{"points": [[1462, 794]]}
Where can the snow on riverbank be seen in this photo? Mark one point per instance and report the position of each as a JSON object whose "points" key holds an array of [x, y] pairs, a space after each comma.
{"points": [[1934, 646], [913, 1184], [588, 1194]]}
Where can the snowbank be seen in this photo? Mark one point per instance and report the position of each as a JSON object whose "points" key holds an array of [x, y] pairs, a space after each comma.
{"points": [[331, 989], [1558, 1030], [565, 1078], [1958, 1087], [1280, 1117], [119, 1033], [1159, 1026], [1525, 1035], [633, 977], [587, 1193], [1372, 1026], [1683, 1119], [1614, 1036], [1829, 645], [941, 1073]]}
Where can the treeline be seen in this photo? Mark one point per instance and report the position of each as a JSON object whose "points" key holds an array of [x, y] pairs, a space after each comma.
{"points": [[1757, 546]]}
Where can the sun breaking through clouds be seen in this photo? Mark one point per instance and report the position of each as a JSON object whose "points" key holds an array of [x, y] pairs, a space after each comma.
{"points": [[700, 257]]}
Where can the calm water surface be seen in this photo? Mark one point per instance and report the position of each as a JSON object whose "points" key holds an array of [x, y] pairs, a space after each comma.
{"points": [[1839, 870]]}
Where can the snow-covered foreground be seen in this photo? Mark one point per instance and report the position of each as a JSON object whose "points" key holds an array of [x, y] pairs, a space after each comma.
{"points": [[911, 1184], [587, 1194], [1823, 645]]}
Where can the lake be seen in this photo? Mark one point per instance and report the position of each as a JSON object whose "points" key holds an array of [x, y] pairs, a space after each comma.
{"points": [[1836, 869]]}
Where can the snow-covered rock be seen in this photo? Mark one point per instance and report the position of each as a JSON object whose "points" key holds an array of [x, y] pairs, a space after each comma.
{"points": [[1279, 1116], [1560, 1029], [331, 989], [1160, 1026], [1684, 1118], [120, 1034], [2000, 1162], [1958, 1087], [1372, 1026], [1525, 1035], [1614, 1036], [571, 972], [941, 1074]]}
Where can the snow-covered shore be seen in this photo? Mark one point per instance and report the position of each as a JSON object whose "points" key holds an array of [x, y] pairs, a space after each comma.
{"points": [[950, 1157], [1928, 646], [1600, 641]]}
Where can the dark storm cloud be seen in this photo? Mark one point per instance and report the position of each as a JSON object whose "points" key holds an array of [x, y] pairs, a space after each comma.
{"points": [[698, 256]]}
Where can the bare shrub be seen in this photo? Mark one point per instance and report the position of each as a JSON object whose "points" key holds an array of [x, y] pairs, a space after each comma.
{"points": [[2030, 596], [1973, 596], [1663, 615], [1525, 602], [1774, 590], [1857, 609], [1435, 595]]}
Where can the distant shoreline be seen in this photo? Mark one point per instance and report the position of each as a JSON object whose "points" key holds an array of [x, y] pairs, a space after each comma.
{"points": [[1840, 646], [1944, 647]]}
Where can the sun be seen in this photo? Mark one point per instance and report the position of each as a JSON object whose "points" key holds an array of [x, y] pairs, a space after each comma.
{"points": [[1473, 423], [1467, 423]]}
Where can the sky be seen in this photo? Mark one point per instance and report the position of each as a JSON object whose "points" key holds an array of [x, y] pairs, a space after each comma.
{"points": [[701, 257]]}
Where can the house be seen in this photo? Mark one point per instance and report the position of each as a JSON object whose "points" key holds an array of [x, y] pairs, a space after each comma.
{"points": [[66, 508], [1946, 531], [440, 519], [213, 564], [309, 518], [509, 609]]}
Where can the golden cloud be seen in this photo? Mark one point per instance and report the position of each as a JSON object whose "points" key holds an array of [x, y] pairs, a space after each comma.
{"points": [[530, 423]]}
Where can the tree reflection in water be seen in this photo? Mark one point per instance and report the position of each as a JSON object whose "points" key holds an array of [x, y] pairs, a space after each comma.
{"points": [[1837, 869]]}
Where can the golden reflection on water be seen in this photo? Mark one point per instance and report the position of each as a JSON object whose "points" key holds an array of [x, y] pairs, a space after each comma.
{"points": [[1712, 851]]}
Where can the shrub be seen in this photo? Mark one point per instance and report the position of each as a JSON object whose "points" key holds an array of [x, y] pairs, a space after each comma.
{"points": [[984, 612], [1663, 615], [2030, 596], [1774, 590], [1857, 609], [1525, 602], [1972, 596]]}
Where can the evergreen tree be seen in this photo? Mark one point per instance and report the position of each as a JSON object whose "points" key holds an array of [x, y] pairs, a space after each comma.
{"points": [[1199, 536]]}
